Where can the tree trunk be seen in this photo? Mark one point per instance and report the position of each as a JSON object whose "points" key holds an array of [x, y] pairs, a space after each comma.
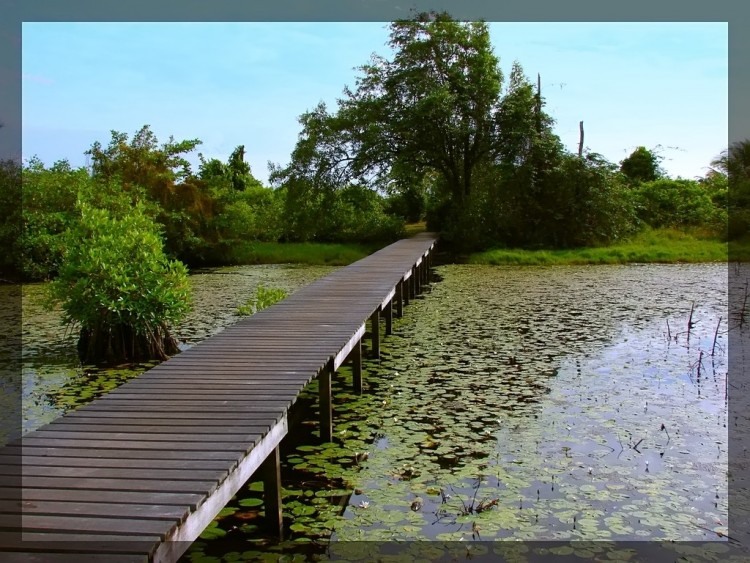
{"points": [[117, 344], [580, 143]]}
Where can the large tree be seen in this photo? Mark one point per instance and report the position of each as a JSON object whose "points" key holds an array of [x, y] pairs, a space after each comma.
{"points": [[435, 116], [433, 107]]}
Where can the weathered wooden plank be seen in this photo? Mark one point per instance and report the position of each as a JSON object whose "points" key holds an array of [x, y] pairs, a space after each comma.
{"points": [[120, 510], [145, 437], [45, 542], [145, 426], [189, 500], [240, 410], [222, 446], [279, 395], [48, 557], [120, 484], [259, 416], [158, 457], [131, 453], [124, 463], [122, 473], [91, 524], [167, 402]]}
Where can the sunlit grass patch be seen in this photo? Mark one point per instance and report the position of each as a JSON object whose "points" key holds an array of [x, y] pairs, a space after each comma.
{"points": [[298, 253], [651, 246], [412, 229]]}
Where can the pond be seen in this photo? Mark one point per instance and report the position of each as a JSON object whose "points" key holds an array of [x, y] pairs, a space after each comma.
{"points": [[53, 382], [536, 403]]}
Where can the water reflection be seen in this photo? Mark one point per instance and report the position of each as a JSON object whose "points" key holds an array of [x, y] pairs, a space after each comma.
{"points": [[549, 390]]}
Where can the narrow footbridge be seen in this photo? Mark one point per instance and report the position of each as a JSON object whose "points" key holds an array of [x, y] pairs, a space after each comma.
{"points": [[136, 475]]}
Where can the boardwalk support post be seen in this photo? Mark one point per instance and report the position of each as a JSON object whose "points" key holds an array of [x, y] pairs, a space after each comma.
{"points": [[406, 286], [375, 318], [389, 318], [356, 357], [324, 402], [400, 299], [271, 473]]}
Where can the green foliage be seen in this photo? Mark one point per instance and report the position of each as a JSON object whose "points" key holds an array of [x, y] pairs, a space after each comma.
{"points": [[680, 203], [10, 219], [252, 214], [429, 113], [734, 165], [334, 254], [431, 108], [49, 209], [115, 279], [50, 197], [184, 207], [352, 213], [641, 166], [648, 246], [264, 297]]}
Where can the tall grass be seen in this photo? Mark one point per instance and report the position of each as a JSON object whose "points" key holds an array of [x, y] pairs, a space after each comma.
{"points": [[649, 246], [296, 253]]}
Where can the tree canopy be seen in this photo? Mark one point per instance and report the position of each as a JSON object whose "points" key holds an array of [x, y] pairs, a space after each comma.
{"points": [[642, 165], [434, 119]]}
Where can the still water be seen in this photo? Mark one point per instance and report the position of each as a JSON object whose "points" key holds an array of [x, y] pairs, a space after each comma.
{"points": [[544, 403]]}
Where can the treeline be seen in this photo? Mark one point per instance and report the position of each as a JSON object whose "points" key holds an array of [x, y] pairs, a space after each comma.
{"points": [[434, 133], [201, 215]]}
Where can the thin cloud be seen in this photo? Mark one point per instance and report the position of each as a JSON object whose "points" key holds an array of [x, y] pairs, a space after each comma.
{"points": [[37, 78]]}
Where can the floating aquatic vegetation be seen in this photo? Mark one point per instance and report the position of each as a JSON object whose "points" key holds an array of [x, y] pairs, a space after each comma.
{"points": [[531, 404], [52, 379], [515, 403]]}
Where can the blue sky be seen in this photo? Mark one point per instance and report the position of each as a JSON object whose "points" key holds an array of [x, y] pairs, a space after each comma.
{"points": [[651, 84]]}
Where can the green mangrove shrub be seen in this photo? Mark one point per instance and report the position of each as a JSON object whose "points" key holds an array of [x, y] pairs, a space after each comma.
{"points": [[118, 286], [264, 297]]}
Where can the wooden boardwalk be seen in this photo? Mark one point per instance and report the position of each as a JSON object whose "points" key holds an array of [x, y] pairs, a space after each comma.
{"points": [[137, 474]]}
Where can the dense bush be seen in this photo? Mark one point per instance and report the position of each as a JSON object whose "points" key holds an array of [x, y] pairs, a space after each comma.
{"points": [[577, 202], [353, 213], [10, 220], [681, 203], [49, 197], [117, 285]]}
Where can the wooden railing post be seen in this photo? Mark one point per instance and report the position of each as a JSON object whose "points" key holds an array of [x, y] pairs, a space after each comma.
{"points": [[271, 474], [324, 402]]}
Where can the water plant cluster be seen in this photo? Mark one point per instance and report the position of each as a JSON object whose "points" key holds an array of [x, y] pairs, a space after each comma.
{"points": [[264, 297], [527, 404]]}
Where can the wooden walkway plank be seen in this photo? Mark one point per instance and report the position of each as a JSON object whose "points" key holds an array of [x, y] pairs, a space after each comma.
{"points": [[137, 474]]}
